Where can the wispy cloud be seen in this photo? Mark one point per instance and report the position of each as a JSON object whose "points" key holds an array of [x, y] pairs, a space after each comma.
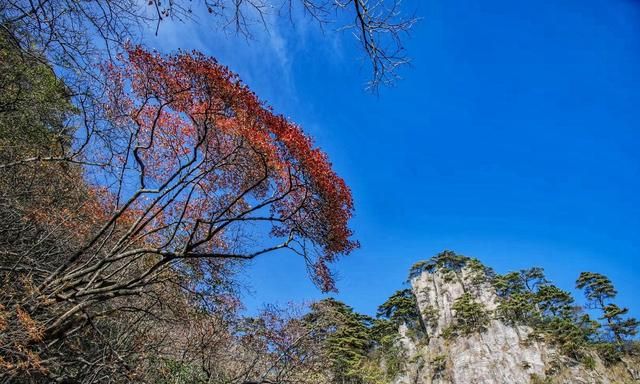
{"points": [[265, 60]]}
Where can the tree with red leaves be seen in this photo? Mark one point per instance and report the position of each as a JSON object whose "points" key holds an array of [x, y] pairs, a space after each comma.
{"points": [[217, 173], [208, 174], [198, 175]]}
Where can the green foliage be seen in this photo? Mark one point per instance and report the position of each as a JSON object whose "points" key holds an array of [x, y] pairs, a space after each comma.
{"points": [[358, 346], [347, 338], [34, 104], [419, 267], [430, 316], [443, 262], [370, 372], [401, 307], [470, 317], [588, 362], [599, 291], [479, 273], [449, 261], [519, 308], [597, 287], [571, 337], [384, 332], [507, 285], [526, 297], [525, 280], [449, 276], [622, 328], [608, 352], [388, 351], [450, 264], [554, 302], [395, 360], [438, 366]]}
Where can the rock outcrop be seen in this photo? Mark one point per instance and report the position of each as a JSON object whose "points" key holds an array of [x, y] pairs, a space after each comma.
{"points": [[498, 353]]}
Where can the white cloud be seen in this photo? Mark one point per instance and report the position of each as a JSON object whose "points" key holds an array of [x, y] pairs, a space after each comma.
{"points": [[265, 60]]}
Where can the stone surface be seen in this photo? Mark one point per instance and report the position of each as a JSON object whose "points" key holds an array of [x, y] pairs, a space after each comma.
{"points": [[500, 354]]}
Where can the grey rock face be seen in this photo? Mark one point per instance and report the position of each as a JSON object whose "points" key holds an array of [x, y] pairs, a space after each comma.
{"points": [[501, 353]]}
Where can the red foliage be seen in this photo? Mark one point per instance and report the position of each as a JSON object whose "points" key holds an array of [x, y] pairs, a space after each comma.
{"points": [[214, 155]]}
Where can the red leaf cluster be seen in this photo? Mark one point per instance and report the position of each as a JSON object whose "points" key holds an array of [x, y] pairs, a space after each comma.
{"points": [[193, 121]]}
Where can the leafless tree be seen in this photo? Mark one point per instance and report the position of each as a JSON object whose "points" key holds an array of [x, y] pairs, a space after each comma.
{"points": [[75, 34]]}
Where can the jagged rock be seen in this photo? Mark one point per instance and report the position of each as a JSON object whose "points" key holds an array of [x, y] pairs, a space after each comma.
{"points": [[500, 353]]}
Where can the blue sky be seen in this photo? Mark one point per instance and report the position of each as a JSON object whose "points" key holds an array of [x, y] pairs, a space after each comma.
{"points": [[512, 138]]}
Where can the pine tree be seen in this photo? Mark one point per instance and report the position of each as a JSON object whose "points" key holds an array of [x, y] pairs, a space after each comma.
{"points": [[470, 316], [600, 292], [622, 328], [401, 307], [347, 338], [554, 302], [443, 261]]}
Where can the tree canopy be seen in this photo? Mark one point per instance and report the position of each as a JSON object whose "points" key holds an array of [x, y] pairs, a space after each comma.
{"points": [[599, 291], [195, 175]]}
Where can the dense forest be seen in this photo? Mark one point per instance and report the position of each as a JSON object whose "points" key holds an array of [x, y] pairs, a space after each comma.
{"points": [[135, 186]]}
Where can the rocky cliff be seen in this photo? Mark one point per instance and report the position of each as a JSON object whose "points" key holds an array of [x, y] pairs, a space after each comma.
{"points": [[483, 348]]}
